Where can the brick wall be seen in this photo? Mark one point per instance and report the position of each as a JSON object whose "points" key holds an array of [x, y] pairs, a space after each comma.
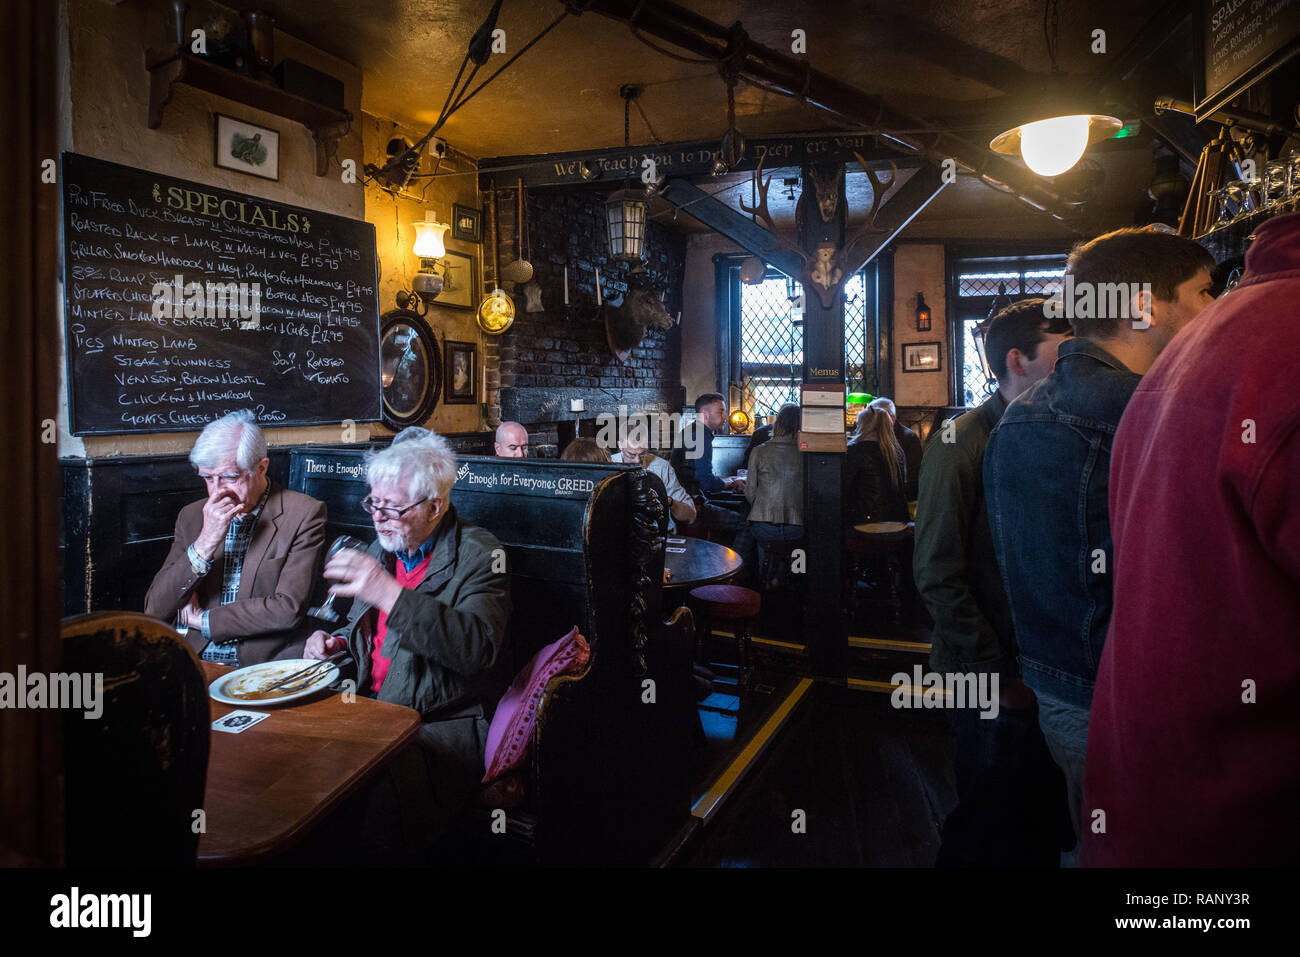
{"points": [[548, 358]]}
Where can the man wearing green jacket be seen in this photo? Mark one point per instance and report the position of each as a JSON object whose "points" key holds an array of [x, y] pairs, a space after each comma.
{"points": [[1002, 765], [427, 631]]}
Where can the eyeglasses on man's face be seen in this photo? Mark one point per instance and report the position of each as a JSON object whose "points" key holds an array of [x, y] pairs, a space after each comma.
{"points": [[388, 511]]}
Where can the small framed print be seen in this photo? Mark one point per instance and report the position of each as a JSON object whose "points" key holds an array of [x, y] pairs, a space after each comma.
{"points": [[466, 223], [921, 357], [246, 148], [462, 373], [458, 289]]}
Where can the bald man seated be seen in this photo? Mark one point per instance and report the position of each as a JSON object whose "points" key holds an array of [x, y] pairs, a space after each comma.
{"points": [[511, 441]]}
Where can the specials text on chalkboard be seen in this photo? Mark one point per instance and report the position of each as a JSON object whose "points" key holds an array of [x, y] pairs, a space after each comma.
{"points": [[184, 302], [1241, 41]]}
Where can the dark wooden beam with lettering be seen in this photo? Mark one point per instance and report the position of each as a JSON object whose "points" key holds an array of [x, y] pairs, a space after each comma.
{"points": [[684, 160]]}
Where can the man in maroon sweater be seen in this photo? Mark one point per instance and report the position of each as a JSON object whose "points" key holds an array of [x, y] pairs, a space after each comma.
{"points": [[1194, 744]]}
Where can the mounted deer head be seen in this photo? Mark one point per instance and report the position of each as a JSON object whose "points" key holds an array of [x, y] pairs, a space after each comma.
{"points": [[626, 324]]}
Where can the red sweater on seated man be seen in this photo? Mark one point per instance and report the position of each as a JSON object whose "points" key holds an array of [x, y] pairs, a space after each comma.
{"points": [[1194, 744]]}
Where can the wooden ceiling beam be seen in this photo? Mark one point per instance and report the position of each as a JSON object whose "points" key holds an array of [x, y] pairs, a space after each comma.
{"points": [[785, 74]]}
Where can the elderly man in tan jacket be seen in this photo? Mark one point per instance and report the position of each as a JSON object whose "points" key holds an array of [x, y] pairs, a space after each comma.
{"points": [[244, 559]]}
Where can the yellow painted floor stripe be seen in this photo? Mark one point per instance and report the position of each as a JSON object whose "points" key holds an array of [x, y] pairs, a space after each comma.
{"points": [[884, 687], [779, 644], [893, 644], [709, 804]]}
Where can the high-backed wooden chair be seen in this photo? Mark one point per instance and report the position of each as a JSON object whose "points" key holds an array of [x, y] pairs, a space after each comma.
{"points": [[134, 776]]}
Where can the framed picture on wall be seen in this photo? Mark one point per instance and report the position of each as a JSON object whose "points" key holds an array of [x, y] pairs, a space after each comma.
{"points": [[466, 223], [458, 287], [246, 148], [462, 373], [410, 369], [921, 357]]}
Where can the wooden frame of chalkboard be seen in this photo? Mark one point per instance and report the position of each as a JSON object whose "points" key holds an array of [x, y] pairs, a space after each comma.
{"points": [[1213, 88], [276, 309]]}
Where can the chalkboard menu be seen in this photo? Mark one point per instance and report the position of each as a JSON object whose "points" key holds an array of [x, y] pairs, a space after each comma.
{"points": [[184, 302], [1241, 41]]}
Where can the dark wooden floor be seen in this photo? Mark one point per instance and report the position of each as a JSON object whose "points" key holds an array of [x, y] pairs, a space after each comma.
{"points": [[874, 783]]}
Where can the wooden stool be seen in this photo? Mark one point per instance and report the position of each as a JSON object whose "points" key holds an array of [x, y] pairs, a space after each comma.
{"points": [[732, 603], [776, 551], [887, 540]]}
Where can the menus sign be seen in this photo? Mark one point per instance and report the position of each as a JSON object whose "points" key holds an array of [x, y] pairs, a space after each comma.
{"points": [[1241, 42], [184, 302]]}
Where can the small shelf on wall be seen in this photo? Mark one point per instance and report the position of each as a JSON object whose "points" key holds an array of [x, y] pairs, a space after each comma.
{"points": [[172, 65]]}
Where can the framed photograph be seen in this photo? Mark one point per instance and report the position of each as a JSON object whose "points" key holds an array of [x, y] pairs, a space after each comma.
{"points": [[921, 357], [466, 223], [458, 281], [410, 369], [462, 373], [246, 148]]}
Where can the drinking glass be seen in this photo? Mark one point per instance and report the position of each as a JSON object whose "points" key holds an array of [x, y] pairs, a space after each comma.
{"points": [[326, 611], [1275, 185], [1240, 194], [1220, 197]]}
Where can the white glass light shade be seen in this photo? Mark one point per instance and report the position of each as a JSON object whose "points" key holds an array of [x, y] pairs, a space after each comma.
{"points": [[1050, 147], [428, 240]]}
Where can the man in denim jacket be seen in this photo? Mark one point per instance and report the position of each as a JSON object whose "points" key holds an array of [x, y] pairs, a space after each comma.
{"points": [[1047, 468]]}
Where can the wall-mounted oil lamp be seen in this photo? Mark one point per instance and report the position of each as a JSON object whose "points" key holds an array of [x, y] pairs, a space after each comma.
{"points": [[923, 315]]}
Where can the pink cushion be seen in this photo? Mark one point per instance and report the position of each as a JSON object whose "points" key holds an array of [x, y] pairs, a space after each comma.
{"points": [[512, 725]]}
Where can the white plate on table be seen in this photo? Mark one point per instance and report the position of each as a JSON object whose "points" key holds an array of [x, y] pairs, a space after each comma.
{"points": [[249, 681]]}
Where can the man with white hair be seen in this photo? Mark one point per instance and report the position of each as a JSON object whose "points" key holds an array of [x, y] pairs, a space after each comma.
{"points": [[511, 441], [427, 631], [243, 560]]}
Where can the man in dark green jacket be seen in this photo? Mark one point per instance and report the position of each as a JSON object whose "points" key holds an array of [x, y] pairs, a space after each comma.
{"points": [[427, 631], [957, 574]]}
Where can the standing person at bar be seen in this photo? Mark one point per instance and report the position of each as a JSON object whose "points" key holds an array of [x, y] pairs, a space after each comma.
{"points": [[1192, 752], [1047, 469], [511, 441], [243, 560], [426, 631], [775, 486], [1009, 792], [908, 440], [875, 471]]}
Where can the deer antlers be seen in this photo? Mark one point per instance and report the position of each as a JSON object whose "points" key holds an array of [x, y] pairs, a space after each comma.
{"points": [[760, 209], [878, 190]]}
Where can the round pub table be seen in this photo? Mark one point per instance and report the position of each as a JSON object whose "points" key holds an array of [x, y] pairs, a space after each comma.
{"points": [[698, 562]]}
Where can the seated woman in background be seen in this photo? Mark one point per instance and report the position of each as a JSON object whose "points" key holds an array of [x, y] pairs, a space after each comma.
{"points": [[875, 471], [584, 450], [774, 485]]}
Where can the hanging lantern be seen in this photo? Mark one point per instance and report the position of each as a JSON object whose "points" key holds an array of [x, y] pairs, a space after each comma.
{"points": [[625, 218], [752, 271]]}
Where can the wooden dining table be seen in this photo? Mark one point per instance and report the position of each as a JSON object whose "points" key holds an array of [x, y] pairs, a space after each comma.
{"points": [[269, 785], [695, 561]]}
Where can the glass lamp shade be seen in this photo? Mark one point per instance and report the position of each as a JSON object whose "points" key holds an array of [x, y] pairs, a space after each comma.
{"points": [[977, 334], [625, 219], [428, 239], [923, 315], [740, 421], [1053, 144], [752, 271]]}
